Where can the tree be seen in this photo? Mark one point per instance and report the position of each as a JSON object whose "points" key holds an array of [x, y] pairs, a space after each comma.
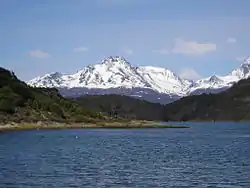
{"points": [[7, 106], [55, 108]]}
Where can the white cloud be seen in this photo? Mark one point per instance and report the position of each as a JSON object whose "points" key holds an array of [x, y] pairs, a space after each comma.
{"points": [[128, 52], [39, 54], [231, 40], [189, 73], [162, 51], [192, 47], [81, 49]]}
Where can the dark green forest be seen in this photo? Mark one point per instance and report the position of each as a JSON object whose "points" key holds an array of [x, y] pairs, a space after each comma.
{"points": [[19, 102], [122, 106], [230, 105]]}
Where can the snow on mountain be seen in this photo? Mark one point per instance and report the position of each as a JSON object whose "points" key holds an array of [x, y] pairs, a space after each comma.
{"points": [[239, 73], [163, 80], [111, 72], [48, 80], [212, 82], [116, 72], [218, 82]]}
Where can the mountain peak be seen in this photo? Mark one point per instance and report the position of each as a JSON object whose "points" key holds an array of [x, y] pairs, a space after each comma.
{"points": [[114, 59], [213, 78], [54, 74], [243, 71], [246, 61]]}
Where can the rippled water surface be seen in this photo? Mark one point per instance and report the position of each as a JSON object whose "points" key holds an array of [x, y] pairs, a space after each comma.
{"points": [[206, 155]]}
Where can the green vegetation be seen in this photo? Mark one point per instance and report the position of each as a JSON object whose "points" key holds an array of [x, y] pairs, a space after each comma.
{"points": [[230, 105], [124, 107], [98, 125], [21, 103]]}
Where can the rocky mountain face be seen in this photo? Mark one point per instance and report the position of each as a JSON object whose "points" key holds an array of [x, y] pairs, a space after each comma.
{"points": [[115, 75]]}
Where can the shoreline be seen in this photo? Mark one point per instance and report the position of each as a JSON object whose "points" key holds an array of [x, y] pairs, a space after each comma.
{"points": [[99, 125], [205, 121]]}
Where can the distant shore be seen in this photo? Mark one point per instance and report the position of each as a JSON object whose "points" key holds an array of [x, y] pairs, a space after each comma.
{"points": [[100, 125]]}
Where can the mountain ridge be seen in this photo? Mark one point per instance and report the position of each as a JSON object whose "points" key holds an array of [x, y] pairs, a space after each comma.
{"points": [[116, 72], [112, 72]]}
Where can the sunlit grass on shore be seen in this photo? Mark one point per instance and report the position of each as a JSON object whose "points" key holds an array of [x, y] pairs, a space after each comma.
{"points": [[98, 125]]}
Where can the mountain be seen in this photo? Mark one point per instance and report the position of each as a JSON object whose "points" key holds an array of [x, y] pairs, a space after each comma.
{"points": [[164, 81], [230, 105], [110, 73], [115, 75], [138, 93], [216, 83], [22, 103], [115, 72]]}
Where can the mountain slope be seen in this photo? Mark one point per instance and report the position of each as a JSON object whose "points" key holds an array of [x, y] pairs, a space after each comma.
{"points": [[22, 103], [230, 105], [122, 106], [164, 81]]}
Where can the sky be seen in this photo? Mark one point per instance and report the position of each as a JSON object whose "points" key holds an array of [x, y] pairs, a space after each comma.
{"points": [[194, 38]]}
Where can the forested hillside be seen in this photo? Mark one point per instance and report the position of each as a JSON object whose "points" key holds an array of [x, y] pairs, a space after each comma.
{"points": [[21, 103], [123, 107], [230, 105]]}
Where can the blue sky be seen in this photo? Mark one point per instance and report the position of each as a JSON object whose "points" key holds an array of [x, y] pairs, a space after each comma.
{"points": [[194, 38]]}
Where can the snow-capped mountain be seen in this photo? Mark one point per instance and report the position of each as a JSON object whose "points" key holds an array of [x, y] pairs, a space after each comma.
{"points": [[164, 81], [117, 75], [115, 72], [111, 72], [218, 83]]}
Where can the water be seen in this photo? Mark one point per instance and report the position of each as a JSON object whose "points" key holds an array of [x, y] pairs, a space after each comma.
{"points": [[206, 155]]}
